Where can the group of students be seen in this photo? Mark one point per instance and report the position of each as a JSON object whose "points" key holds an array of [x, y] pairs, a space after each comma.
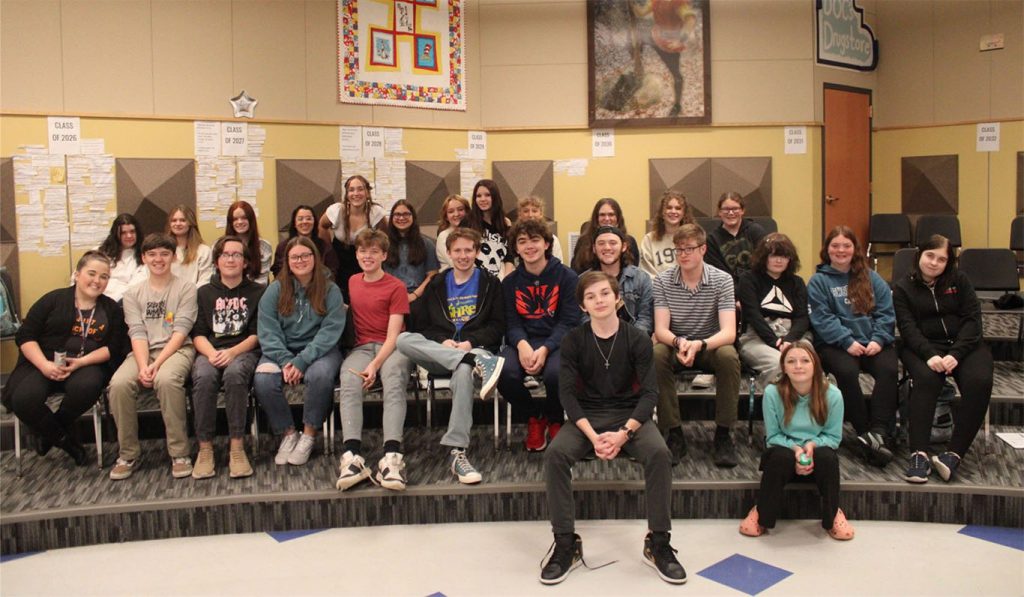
{"points": [[360, 295]]}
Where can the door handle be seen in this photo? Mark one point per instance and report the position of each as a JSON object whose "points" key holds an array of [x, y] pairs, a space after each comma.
{"points": [[829, 199]]}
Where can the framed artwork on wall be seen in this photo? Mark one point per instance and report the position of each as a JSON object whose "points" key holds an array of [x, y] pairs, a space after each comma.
{"points": [[649, 62]]}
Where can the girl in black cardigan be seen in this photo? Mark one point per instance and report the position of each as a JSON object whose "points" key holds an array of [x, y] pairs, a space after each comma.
{"points": [[940, 324], [89, 329]]}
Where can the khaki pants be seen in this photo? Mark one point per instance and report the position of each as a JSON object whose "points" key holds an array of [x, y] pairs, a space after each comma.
{"points": [[169, 386]]}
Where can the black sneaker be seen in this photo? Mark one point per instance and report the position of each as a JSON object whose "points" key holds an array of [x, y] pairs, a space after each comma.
{"points": [[946, 465], [566, 555], [658, 554], [725, 451], [918, 469], [875, 451], [676, 442]]}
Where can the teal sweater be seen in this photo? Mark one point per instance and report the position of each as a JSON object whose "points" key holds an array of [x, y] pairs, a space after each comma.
{"points": [[802, 427], [304, 336]]}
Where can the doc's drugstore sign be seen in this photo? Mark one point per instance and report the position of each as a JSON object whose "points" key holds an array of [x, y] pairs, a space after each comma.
{"points": [[843, 38]]}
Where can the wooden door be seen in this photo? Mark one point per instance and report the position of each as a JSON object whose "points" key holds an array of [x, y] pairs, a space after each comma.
{"points": [[847, 157]]}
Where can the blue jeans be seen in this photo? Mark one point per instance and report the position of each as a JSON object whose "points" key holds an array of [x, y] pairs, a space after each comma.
{"points": [[319, 381]]}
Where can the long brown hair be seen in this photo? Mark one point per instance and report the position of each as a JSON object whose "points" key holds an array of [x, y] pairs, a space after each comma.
{"points": [[346, 207], [659, 218], [253, 235], [858, 291], [417, 253], [194, 237], [316, 290], [497, 210], [584, 258], [819, 386]]}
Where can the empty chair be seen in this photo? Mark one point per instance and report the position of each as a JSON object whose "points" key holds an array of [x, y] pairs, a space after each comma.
{"points": [[889, 229], [767, 222], [708, 224], [902, 262], [1017, 234], [946, 225], [990, 269]]}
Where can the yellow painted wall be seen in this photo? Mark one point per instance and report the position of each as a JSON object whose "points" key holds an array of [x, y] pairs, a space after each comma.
{"points": [[987, 183]]}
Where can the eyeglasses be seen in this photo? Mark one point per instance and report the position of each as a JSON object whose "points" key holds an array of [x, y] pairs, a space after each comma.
{"points": [[687, 250], [401, 214], [300, 257], [232, 256], [730, 210]]}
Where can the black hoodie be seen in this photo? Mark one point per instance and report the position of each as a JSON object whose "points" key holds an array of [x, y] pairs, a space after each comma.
{"points": [[484, 330], [227, 315], [938, 321]]}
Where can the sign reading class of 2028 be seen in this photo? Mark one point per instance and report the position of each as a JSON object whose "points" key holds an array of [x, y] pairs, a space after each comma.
{"points": [[843, 38]]}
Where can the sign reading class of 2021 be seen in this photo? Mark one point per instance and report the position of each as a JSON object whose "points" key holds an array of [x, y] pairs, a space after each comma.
{"points": [[844, 39]]}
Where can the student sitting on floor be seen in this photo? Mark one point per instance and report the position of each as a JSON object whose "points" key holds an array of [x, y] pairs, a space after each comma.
{"points": [[160, 312], [608, 390], [378, 310], [458, 326], [803, 425]]}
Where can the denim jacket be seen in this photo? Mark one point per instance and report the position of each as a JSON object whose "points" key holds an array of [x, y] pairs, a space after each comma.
{"points": [[637, 292]]}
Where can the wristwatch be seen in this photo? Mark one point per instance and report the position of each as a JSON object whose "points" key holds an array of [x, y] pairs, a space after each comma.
{"points": [[630, 433], [703, 345]]}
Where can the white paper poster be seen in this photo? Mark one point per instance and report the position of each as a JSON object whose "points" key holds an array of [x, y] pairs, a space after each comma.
{"points": [[350, 142], [796, 139], [988, 136], [373, 142], [477, 145], [393, 140], [207, 138], [604, 143], [64, 134], [234, 138]]}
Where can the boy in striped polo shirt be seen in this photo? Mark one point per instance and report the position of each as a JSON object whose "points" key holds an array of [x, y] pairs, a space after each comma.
{"points": [[695, 326]]}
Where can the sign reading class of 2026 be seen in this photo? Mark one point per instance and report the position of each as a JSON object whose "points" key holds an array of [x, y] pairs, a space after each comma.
{"points": [[843, 38]]}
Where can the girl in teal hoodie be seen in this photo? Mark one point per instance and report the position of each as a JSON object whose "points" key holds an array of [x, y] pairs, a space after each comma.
{"points": [[803, 425], [854, 327], [301, 317]]}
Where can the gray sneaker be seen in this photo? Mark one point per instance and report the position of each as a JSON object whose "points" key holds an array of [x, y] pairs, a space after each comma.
{"points": [[461, 467], [285, 449], [488, 369]]}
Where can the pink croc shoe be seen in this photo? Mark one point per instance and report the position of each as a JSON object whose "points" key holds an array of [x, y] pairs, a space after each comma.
{"points": [[750, 526], [841, 529]]}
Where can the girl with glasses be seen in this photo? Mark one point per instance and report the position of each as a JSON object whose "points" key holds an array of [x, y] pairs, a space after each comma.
{"points": [[412, 257]]}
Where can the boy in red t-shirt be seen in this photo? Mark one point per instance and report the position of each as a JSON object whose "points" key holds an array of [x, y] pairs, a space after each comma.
{"points": [[379, 306]]}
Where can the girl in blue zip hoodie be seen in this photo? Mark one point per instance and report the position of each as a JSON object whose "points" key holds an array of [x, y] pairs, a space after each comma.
{"points": [[854, 321], [301, 317], [540, 309]]}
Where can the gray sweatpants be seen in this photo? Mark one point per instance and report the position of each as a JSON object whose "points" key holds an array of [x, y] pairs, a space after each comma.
{"points": [[394, 376]]}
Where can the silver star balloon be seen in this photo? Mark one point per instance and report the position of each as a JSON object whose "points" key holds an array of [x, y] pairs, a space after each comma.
{"points": [[244, 105]]}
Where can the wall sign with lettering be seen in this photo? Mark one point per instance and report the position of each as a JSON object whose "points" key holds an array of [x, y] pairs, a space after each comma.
{"points": [[843, 38]]}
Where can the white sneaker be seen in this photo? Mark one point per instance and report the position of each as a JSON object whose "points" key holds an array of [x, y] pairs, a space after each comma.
{"points": [[285, 449], [390, 472], [530, 382], [304, 447], [353, 471]]}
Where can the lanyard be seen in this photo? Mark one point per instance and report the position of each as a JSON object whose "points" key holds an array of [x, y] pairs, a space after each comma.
{"points": [[85, 327]]}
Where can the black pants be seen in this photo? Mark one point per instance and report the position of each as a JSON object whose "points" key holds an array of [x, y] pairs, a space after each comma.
{"points": [[973, 376], [570, 445], [29, 389], [510, 384], [778, 466], [884, 399]]}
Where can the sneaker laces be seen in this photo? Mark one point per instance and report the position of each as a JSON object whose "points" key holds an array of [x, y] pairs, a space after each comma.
{"points": [[664, 550], [461, 461], [919, 460], [556, 552], [182, 460]]}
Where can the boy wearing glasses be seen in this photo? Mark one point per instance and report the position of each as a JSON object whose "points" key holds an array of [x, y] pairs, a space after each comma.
{"points": [[225, 338], [731, 244], [378, 310], [695, 326]]}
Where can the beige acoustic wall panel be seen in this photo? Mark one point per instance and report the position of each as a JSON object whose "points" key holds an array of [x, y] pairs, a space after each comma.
{"points": [[762, 91], [906, 87], [930, 184], [31, 69], [703, 180], [269, 54], [1008, 64], [761, 30], [190, 45], [427, 185], [316, 183], [533, 33], [150, 188], [963, 77], [107, 56], [535, 96]]}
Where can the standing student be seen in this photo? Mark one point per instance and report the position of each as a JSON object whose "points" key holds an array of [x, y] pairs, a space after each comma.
{"points": [[455, 212], [803, 425], [607, 212], [733, 241], [160, 313], [607, 387], [657, 249], [774, 303], [193, 260], [303, 223], [695, 326], [490, 221], [636, 289], [940, 323], [225, 337], [124, 250], [538, 314], [411, 257], [854, 329], [456, 328], [343, 221], [378, 309], [241, 222], [88, 327], [301, 317]]}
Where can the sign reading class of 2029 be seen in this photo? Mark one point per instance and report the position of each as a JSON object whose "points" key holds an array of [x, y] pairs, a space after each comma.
{"points": [[843, 38]]}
